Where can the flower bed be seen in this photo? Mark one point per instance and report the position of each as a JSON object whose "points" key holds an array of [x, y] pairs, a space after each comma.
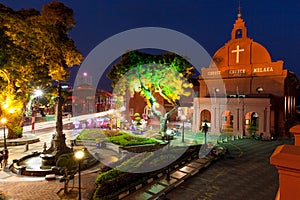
{"points": [[117, 137]]}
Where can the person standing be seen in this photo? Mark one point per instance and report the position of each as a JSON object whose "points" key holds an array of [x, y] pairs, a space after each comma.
{"points": [[205, 130]]}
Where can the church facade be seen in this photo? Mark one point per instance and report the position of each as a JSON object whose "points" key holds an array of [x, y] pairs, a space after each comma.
{"points": [[244, 92]]}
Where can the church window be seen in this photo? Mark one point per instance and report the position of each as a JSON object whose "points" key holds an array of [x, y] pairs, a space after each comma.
{"points": [[238, 33], [131, 111]]}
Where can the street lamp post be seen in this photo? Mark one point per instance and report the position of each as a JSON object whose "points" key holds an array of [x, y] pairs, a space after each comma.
{"points": [[3, 122], [183, 118], [5, 152], [79, 155], [168, 168]]}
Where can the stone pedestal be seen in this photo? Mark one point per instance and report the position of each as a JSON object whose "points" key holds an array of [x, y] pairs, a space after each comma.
{"points": [[58, 146], [296, 131], [286, 158], [47, 159]]}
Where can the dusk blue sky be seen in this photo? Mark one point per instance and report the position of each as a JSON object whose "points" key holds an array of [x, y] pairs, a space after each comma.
{"points": [[273, 23]]}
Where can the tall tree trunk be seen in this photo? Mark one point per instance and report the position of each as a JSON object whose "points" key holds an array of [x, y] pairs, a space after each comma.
{"points": [[163, 119], [58, 144], [163, 124], [58, 111], [66, 182]]}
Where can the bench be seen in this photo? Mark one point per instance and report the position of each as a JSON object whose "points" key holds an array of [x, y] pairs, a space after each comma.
{"points": [[50, 177]]}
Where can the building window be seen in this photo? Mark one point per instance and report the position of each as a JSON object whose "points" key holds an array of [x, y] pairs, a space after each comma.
{"points": [[131, 112], [238, 33]]}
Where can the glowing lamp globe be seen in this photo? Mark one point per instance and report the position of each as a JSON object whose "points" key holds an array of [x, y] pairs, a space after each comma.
{"points": [[79, 155], [3, 121]]}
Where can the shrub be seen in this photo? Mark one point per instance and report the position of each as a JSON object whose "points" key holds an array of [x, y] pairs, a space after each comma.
{"points": [[252, 129], [115, 181], [128, 139], [111, 133], [66, 164], [116, 137], [137, 118], [90, 134], [112, 183]]}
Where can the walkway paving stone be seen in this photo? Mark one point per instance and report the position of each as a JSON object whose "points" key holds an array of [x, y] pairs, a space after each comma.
{"points": [[245, 174], [187, 169], [141, 195], [178, 175], [155, 188], [16, 187]]}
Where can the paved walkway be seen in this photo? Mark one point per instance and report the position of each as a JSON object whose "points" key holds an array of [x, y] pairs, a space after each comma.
{"points": [[237, 178], [23, 187], [18, 187], [246, 174]]}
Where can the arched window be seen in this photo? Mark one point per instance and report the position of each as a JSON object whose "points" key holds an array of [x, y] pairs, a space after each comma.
{"points": [[238, 33]]}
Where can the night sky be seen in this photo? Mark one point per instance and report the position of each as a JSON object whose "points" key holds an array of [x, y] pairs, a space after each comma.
{"points": [[273, 23]]}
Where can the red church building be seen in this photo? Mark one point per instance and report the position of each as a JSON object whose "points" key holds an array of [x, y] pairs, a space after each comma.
{"points": [[243, 89]]}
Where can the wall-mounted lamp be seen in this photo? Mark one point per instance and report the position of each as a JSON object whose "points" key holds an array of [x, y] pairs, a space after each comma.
{"points": [[259, 89]]}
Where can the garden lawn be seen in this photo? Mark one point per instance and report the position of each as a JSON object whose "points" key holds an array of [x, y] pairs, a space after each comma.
{"points": [[121, 138]]}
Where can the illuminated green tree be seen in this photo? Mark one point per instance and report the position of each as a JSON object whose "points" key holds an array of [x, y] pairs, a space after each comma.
{"points": [[35, 50], [153, 76]]}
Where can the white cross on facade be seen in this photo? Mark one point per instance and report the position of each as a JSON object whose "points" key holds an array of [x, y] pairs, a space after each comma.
{"points": [[237, 51]]}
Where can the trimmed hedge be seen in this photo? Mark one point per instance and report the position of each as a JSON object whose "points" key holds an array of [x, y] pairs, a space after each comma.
{"points": [[129, 139], [93, 134], [114, 182], [117, 137]]}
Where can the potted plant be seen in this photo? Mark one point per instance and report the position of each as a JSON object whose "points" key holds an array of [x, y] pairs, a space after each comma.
{"points": [[252, 129]]}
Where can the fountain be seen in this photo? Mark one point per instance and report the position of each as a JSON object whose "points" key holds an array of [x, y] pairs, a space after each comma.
{"points": [[32, 165], [44, 163], [46, 160]]}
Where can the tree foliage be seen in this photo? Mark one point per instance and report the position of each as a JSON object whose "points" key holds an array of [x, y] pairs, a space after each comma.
{"points": [[35, 48], [132, 59], [166, 76]]}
